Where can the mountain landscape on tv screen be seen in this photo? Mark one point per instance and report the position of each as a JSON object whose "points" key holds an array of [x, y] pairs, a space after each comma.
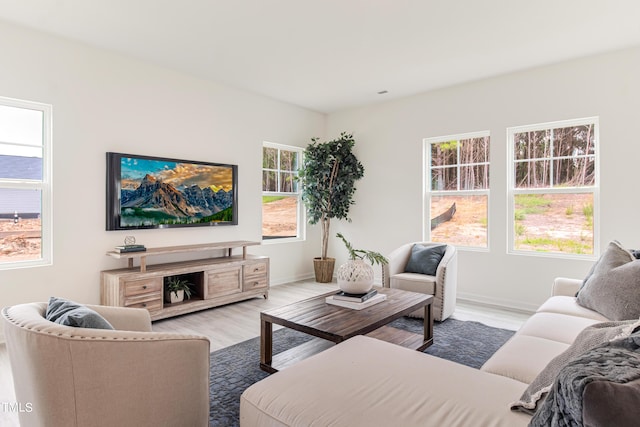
{"points": [[156, 202]]}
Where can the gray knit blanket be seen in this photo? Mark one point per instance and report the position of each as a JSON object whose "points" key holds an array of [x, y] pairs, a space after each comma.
{"points": [[616, 361], [591, 337]]}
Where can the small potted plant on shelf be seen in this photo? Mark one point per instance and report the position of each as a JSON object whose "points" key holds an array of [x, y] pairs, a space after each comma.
{"points": [[176, 289], [356, 276]]}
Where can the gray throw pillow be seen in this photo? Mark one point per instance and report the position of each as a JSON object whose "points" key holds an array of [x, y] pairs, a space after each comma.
{"points": [[607, 403], [69, 313], [613, 286], [425, 259]]}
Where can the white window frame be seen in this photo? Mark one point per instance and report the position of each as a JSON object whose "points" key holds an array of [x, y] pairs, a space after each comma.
{"points": [[512, 191], [428, 192], [44, 185], [301, 229]]}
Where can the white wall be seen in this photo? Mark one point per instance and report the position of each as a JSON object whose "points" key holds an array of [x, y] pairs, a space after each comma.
{"points": [[105, 102], [389, 137]]}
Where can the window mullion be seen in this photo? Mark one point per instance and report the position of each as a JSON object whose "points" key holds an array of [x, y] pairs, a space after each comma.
{"points": [[551, 157], [458, 169], [278, 171], [21, 184]]}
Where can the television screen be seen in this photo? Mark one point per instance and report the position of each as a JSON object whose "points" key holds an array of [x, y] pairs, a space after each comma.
{"points": [[154, 192]]}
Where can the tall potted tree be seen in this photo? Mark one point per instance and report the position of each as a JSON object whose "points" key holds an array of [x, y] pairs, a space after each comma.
{"points": [[328, 175]]}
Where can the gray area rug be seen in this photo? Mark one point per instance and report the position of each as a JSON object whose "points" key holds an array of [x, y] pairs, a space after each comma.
{"points": [[235, 368]]}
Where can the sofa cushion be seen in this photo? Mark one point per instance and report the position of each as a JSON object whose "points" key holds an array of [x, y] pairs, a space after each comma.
{"points": [[523, 357], [613, 288], [547, 325], [69, 313], [425, 259], [569, 306], [367, 382]]}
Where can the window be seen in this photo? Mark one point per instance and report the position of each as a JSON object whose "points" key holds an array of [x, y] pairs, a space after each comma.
{"points": [[553, 187], [25, 183], [457, 183], [281, 198]]}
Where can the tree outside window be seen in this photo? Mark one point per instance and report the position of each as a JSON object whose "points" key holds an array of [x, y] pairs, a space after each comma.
{"points": [[457, 196], [553, 187], [281, 205]]}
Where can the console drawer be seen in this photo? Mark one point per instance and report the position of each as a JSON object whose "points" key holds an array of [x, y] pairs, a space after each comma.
{"points": [[255, 269], [254, 283], [142, 286], [255, 276], [151, 301]]}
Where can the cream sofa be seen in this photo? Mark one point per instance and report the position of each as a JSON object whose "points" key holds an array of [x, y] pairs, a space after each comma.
{"points": [[130, 376], [367, 382]]}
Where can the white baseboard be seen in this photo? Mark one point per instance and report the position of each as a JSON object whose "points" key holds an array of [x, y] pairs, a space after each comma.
{"points": [[284, 280], [499, 303], [310, 276]]}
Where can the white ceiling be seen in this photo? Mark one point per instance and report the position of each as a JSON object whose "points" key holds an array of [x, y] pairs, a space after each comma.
{"points": [[327, 55]]}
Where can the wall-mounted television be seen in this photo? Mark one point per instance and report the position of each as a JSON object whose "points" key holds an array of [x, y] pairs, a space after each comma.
{"points": [[156, 192]]}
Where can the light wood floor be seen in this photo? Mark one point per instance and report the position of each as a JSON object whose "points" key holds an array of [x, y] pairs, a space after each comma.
{"points": [[240, 321]]}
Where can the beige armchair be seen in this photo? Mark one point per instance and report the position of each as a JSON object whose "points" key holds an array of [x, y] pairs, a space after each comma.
{"points": [[442, 286], [95, 377]]}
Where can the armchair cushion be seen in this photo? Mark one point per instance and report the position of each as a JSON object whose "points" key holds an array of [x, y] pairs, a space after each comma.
{"points": [[125, 318], [414, 282], [69, 313], [425, 259]]}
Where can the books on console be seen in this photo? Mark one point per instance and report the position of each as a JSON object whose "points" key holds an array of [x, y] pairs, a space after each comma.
{"points": [[356, 305], [130, 248], [344, 296]]}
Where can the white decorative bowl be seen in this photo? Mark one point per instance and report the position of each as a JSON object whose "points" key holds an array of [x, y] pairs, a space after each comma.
{"points": [[355, 277]]}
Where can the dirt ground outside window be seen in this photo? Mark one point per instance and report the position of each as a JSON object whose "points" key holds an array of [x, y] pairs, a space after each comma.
{"points": [[20, 241], [555, 223], [279, 218]]}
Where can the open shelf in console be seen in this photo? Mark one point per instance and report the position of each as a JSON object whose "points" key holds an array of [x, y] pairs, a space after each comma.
{"points": [[196, 284]]}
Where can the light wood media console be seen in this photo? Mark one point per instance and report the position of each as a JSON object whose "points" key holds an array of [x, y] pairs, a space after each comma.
{"points": [[216, 281]]}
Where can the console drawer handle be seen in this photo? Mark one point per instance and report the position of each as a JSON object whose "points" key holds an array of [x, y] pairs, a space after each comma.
{"points": [[144, 286], [144, 304]]}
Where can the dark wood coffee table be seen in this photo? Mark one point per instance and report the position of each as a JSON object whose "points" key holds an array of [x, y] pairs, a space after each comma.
{"points": [[335, 324]]}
